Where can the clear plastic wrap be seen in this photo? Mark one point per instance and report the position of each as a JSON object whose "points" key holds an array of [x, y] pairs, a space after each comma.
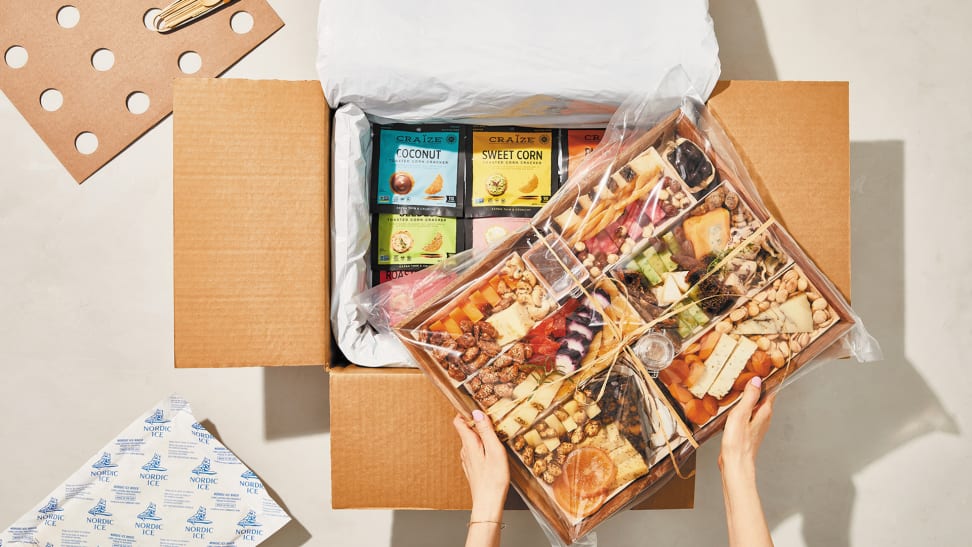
{"points": [[657, 251]]}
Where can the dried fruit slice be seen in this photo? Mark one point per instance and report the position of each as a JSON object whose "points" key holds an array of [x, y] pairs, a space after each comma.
{"points": [[583, 487]]}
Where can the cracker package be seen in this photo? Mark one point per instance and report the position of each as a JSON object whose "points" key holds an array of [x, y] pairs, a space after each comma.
{"points": [[417, 169], [512, 171], [576, 144], [607, 338]]}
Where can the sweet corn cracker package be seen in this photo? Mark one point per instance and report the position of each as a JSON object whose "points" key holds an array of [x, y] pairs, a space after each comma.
{"points": [[607, 338]]}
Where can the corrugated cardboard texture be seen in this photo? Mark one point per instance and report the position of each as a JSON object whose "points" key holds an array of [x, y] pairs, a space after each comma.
{"points": [[145, 61], [250, 226], [795, 140], [408, 458]]}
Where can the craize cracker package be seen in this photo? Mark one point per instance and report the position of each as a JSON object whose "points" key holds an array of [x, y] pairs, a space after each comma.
{"points": [[511, 170], [607, 339]]}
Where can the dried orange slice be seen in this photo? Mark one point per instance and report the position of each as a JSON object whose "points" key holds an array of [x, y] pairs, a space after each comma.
{"points": [[588, 475]]}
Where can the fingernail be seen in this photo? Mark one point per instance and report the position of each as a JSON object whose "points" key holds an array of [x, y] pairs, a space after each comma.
{"points": [[478, 415], [756, 381]]}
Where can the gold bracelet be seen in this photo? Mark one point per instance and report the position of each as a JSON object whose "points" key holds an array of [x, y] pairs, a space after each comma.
{"points": [[501, 524]]}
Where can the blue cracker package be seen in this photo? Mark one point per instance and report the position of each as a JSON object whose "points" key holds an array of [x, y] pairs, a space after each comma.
{"points": [[418, 169]]}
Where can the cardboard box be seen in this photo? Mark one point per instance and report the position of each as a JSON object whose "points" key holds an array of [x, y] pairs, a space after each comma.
{"points": [[251, 277]]}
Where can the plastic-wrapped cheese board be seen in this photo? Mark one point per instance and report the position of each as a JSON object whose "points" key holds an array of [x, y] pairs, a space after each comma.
{"points": [[658, 233]]}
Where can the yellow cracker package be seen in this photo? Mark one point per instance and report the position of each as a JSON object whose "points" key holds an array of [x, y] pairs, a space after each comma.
{"points": [[512, 171]]}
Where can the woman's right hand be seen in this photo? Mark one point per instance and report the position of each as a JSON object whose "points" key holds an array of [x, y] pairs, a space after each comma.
{"points": [[745, 429]]}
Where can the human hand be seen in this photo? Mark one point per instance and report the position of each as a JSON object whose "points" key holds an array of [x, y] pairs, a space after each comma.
{"points": [[485, 465], [745, 429]]}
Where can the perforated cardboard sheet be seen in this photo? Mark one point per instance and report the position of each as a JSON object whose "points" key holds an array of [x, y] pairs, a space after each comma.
{"points": [[95, 60]]}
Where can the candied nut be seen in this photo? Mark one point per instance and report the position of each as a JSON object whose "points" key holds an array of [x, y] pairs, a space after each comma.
{"points": [[555, 468], [592, 428], [819, 304], [467, 340], [561, 414], [490, 349], [565, 448], [548, 477], [519, 443], [470, 353], [527, 455], [737, 314], [580, 247], [558, 458], [723, 327], [541, 427], [753, 308], [539, 466], [763, 343], [466, 326], [541, 450], [577, 435], [455, 372], [820, 317], [802, 284], [504, 391]]}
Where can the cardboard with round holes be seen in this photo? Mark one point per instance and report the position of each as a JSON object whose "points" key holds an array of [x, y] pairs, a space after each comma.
{"points": [[91, 78]]}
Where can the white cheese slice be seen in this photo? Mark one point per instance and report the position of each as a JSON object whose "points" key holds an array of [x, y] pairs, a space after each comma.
{"points": [[544, 396], [501, 408], [552, 443], [740, 356], [670, 290], [511, 324], [680, 280], [526, 387], [569, 424], [713, 365]]}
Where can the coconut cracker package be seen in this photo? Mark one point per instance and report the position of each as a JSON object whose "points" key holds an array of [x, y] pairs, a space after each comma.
{"points": [[607, 339]]}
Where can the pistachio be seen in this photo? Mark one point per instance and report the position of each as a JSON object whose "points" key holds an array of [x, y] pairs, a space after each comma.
{"points": [[784, 348], [781, 296], [802, 284], [723, 327], [819, 304], [763, 343], [737, 314], [791, 275], [764, 306], [753, 309], [820, 317], [760, 296]]}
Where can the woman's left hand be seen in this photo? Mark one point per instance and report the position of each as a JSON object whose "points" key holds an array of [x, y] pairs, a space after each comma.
{"points": [[486, 467]]}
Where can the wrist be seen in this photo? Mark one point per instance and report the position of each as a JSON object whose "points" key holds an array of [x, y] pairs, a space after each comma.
{"points": [[487, 510], [738, 469]]}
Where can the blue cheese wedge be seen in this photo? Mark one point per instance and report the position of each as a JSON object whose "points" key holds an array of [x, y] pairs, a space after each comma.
{"points": [[713, 365], [736, 363], [790, 317]]}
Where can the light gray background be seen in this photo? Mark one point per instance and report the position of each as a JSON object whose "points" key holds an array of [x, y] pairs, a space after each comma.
{"points": [[858, 454]]}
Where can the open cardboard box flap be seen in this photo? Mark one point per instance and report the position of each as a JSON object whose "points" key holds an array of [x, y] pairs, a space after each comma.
{"points": [[250, 242]]}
